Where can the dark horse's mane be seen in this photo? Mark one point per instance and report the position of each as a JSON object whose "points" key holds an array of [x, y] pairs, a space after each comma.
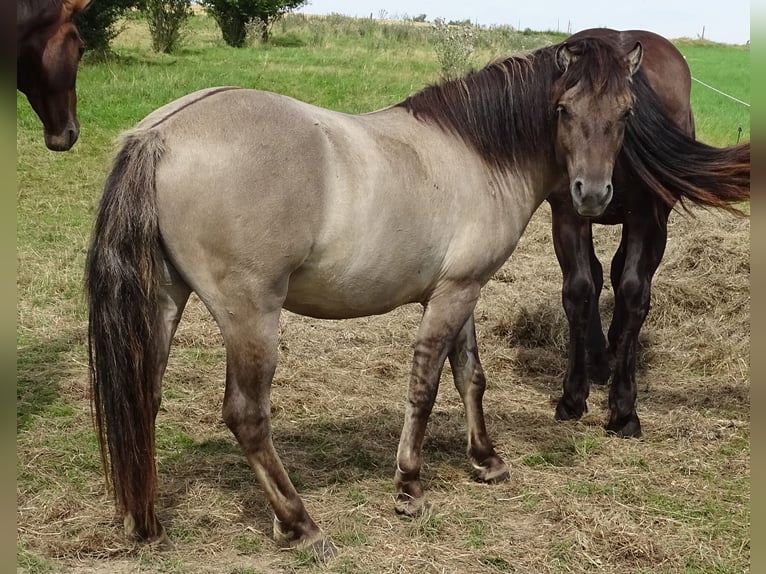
{"points": [[675, 166], [505, 111]]}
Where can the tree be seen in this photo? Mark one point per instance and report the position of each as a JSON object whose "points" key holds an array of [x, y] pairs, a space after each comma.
{"points": [[234, 16], [97, 24]]}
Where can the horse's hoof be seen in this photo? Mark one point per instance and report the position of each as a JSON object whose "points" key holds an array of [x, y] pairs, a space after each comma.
{"points": [[163, 542], [316, 543], [159, 541], [409, 506], [625, 429], [494, 472], [568, 412]]}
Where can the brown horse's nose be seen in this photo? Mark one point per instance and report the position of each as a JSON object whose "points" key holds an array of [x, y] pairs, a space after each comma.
{"points": [[63, 141]]}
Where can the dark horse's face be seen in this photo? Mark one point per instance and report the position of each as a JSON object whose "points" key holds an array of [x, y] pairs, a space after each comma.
{"points": [[46, 72], [591, 114]]}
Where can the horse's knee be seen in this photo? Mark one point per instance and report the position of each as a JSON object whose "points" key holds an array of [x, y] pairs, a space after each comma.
{"points": [[635, 294], [577, 294]]}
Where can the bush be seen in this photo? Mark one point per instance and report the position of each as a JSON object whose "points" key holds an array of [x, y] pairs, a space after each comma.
{"points": [[166, 20], [454, 47], [234, 17], [231, 20], [289, 40]]}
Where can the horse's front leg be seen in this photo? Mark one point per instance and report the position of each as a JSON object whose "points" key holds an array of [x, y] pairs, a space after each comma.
{"points": [[471, 383], [444, 316], [641, 250], [573, 244]]}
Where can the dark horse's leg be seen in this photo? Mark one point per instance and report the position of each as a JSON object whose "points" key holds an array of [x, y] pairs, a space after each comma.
{"points": [[470, 383], [583, 280], [644, 236], [597, 359]]}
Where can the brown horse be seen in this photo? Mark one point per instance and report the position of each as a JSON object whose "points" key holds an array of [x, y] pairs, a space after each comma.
{"points": [[642, 205], [258, 202], [48, 50]]}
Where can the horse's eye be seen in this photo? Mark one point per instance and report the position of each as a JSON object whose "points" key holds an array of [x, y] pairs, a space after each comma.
{"points": [[561, 111], [627, 114]]}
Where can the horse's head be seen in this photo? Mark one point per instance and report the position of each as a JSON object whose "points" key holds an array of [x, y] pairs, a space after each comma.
{"points": [[46, 72], [593, 99]]}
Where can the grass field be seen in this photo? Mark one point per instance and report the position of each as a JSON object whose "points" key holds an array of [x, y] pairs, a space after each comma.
{"points": [[676, 501]]}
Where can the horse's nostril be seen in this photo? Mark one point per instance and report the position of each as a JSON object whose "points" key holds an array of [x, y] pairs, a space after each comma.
{"points": [[577, 188], [609, 189]]}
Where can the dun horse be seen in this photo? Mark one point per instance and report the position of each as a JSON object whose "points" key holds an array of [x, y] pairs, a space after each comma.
{"points": [[643, 208], [48, 50], [258, 202]]}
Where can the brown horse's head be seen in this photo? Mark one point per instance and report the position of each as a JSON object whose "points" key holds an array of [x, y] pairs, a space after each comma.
{"points": [[593, 99], [48, 54]]}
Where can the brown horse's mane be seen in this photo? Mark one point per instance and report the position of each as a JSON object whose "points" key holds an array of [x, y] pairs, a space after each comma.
{"points": [[505, 111], [32, 14]]}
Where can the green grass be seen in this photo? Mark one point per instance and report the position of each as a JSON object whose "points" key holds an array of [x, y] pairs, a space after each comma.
{"points": [[31, 564], [726, 68]]}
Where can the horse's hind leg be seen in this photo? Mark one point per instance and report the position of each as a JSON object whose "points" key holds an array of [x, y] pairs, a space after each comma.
{"points": [[443, 318], [250, 331], [470, 383], [172, 297], [597, 358]]}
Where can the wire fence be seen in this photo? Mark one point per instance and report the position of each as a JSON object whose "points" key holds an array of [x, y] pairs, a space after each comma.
{"points": [[720, 92]]}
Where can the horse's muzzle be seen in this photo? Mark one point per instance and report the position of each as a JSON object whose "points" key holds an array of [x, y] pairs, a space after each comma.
{"points": [[591, 200], [64, 140]]}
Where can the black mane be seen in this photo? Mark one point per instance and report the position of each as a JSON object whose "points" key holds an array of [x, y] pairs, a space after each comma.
{"points": [[505, 111]]}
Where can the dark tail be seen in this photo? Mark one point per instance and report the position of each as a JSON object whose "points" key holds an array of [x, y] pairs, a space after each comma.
{"points": [[121, 281], [675, 166]]}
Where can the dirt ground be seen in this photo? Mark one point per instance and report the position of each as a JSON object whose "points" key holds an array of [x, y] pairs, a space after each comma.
{"points": [[676, 500]]}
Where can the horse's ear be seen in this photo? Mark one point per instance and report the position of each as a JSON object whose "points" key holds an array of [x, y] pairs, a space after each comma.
{"points": [[74, 6], [634, 58], [564, 57]]}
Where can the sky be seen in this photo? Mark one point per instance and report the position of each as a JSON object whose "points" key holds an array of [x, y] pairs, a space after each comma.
{"points": [[722, 20]]}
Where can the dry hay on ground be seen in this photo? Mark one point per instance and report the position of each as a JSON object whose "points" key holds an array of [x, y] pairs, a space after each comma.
{"points": [[578, 501]]}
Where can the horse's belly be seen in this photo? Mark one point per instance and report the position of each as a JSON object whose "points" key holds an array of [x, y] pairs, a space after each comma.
{"points": [[344, 295]]}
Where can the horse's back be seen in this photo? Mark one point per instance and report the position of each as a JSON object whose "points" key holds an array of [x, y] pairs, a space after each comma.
{"points": [[336, 205], [279, 191]]}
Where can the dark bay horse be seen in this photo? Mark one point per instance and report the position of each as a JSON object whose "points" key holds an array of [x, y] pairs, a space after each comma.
{"points": [[642, 205], [258, 202], [48, 50]]}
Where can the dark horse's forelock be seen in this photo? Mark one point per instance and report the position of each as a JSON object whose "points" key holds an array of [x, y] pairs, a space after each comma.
{"points": [[505, 111]]}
